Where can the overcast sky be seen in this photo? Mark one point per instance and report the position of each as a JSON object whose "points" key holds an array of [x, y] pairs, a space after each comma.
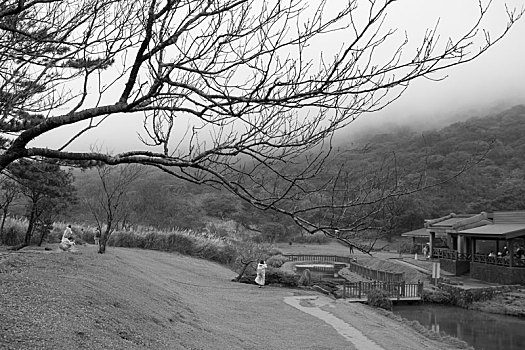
{"points": [[490, 83], [493, 81]]}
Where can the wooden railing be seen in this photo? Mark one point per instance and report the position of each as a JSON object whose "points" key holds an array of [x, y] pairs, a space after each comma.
{"points": [[363, 271], [493, 260], [480, 258], [318, 258], [498, 260], [443, 253], [396, 290]]}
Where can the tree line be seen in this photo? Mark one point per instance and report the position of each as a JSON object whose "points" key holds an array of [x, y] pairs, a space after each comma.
{"points": [[129, 196]]}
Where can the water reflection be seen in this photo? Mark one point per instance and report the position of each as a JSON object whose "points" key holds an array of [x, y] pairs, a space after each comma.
{"points": [[481, 330]]}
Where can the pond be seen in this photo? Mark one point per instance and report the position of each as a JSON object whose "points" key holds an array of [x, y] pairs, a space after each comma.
{"points": [[481, 330]]}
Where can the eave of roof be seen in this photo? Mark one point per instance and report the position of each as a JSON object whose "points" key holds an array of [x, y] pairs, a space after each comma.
{"points": [[507, 231], [419, 233]]}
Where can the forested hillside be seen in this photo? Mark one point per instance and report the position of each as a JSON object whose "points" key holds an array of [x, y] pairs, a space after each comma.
{"points": [[479, 165], [492, 149]]}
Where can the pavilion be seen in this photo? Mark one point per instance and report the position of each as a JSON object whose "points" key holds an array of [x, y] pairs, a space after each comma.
{"points": [[469, 238]]}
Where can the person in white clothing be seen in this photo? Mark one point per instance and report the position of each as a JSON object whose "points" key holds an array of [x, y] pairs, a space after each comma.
{"points": [[261, 272], [67, 239]]}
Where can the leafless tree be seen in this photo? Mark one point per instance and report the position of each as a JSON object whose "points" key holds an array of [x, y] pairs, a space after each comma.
{"points": [[249, 254], [109, 203], [260, 93]]}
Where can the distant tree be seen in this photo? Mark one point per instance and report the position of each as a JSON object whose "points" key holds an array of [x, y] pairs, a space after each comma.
{"points": [[110, 202], [9, 191], [47, 188], [222, 206]]}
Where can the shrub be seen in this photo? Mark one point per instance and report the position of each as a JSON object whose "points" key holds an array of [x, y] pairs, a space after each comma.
{"points": [[12, 236], [316, 238], [274, 251], [305, 279], [204, 245], [274, 276], [14, 231], [379, 298], [436, 296], [124, 239], [276, 261], [225, 255]]}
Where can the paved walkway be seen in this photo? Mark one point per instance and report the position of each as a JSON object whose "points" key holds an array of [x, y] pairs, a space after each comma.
{"points": [[313, 305]]}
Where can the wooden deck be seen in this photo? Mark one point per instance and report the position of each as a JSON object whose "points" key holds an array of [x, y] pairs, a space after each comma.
{"points": [[392, 284]]}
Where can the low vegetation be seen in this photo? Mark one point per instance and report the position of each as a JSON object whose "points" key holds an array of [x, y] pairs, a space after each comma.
{"points": [[379, 298], [203, 245]]}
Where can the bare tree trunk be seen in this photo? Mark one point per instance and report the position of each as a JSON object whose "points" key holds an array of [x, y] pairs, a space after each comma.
{"points": [[4, 217], [104, 238], [43, 235], [238, 278], [102, 246], [30, 227]]}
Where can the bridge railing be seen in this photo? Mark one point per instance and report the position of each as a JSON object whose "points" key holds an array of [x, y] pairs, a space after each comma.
{"points": [[372, 274], [396, 290]]}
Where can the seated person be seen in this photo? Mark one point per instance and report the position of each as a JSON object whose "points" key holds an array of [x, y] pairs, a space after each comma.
{"points": [[67, 241]]}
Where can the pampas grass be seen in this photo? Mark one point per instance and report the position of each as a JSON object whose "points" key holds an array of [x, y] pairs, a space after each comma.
{"points": [[204, 245], [14, 230]]}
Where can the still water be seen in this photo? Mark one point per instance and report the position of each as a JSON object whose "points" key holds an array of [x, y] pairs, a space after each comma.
{"points": [[483, 331]]}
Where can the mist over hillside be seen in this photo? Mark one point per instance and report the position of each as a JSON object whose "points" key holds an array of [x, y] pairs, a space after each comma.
{"points": [[403, 120], [478, 164]]}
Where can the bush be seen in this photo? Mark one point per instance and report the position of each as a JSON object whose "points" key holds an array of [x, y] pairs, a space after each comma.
{"points": [[436, 296], [316, 238], [12, 236], [274, 276], [379, 298], [305, 279], [14, 231], [187, 242], [276, 261]]}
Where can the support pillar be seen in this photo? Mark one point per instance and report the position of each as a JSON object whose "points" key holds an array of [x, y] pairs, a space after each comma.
{"points": [[461, 244], [432, 240], [472, 249], [510, 246]]}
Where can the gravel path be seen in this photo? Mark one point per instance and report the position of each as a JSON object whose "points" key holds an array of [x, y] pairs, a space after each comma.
{"points": [[139, 299]]}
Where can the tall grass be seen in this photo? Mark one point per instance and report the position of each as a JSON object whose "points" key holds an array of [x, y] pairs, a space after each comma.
{"points": [[207, 245], [316, 238], [14, 230], [202, 245]]}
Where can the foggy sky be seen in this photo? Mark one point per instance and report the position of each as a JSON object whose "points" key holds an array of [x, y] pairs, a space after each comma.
{"points": [[492, 82]]}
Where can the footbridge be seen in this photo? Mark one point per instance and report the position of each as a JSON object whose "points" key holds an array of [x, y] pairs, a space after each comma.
{"points": [[390, 283]]}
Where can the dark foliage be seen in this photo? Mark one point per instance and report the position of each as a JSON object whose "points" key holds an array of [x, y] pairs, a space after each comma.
{"points": [[497, 182], [379, 298]]}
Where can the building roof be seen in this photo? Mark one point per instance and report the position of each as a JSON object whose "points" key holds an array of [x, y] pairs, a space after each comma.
{"points": [[419, 233], [501, 231], [448, 222], [454, 222]]}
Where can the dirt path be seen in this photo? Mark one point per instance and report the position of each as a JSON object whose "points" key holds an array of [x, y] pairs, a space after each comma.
{"points": [[138, 299]]}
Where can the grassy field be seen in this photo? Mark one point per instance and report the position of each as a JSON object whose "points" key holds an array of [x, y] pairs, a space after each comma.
{"points": [[141, 299]]}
